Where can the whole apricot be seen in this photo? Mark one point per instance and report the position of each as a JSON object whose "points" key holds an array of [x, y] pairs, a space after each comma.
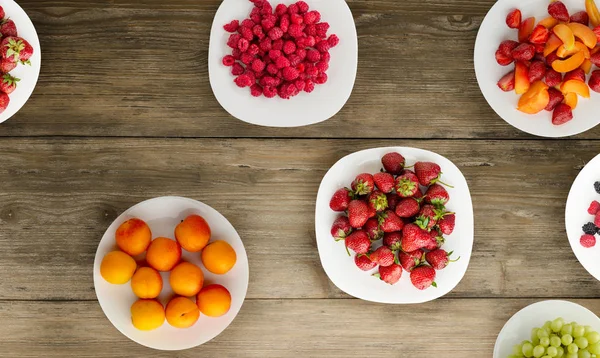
{"points": [[186, 279], [147, 315], [146, 283], [163, 254], [117, 267], [218, 257], [181, 312], [133, 236], [193, 233], [213, 300]]}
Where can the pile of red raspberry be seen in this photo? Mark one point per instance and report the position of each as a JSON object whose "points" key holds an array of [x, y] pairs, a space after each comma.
{"points": [[279, 52]]}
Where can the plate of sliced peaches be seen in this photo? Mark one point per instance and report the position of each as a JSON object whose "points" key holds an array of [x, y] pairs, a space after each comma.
{"points": [[536, 63]]}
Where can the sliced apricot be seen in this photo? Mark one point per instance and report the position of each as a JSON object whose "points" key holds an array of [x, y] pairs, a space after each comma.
{"points": [[521, 78], [535, 99], [562, 52], [526, 29], [552, 44], [565, 34], [575, 86], [569, 64], [584, 33], [593, 13], [548, 22], [586, 66], [571, 100]]}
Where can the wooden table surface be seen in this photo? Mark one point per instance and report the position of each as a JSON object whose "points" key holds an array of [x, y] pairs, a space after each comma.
{"points": [[123, 112]]}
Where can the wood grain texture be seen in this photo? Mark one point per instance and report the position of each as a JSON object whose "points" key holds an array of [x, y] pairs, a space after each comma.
{"points": [[139, 68], [59, 196]]}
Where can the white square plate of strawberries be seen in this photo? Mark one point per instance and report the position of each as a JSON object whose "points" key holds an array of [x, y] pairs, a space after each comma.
{"points": [[283, 63], [20, 60], [536, 64], [582, 216], [394, 225]]}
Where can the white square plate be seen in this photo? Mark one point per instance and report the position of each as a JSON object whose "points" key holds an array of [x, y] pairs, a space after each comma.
{"points": [[304, 109], [341, 269]]}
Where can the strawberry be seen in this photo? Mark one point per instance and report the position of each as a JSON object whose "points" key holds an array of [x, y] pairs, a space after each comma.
{"points": [[393, 163], [414, 238], [439, 259], [446, 224], [384, 182], [513, 19], [364, 263], [390, 274], [340, 199], [6, 65], [358, 213], [2, 13], [437, 195], [16, 49], [553, 78], [373, 230], [418, 194], [383, 256], [562, 114], [597, 32], [551, 58], [587, 240], [363, 184], [594, 208], [502, 59], [581, 17], [392, 240], [358, 242], [8, 84], [523, 52], [507, 46], [435, 241], [428, 173], [428, 217], [507, 82], [8, 28], [559, 11], [407, 208], [556, 97], [390, 222], [377, 201], [4, 101], [371, 212], [577, 74], [393, 200], [539, 35], [537, 71], [597, 219], [409, 260], [422, 277], [341, 228], [407, 185], [594, 81]]}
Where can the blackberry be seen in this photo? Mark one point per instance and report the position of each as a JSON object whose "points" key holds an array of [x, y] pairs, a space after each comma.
{"points": [[590, 228], [597, 187]]}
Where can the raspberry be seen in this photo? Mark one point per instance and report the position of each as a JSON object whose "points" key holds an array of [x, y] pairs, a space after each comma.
{"points": [[280, 9], [297, 19], [278, 45], [269, 81], [265, 44], [232, 26], [289, 47], [300, 84], [333, 40], [243, 81], [275, 33], [322, 46], [228, 60], [325, 56], [256, 18], [282, 62], [302, 6], [321, 78], [248, 23], [253, 50], [290, 73], [243, 45], [268, 24], [266, 8], [301, 53], [247, 58], [310, 41], [293, 9], [587, 241], [274, 54], [258, 65], [258, 32], [246, 32], [322, 66], [312, 17], [250, 74], [296, 30], [322, 27], [270, 92], [233, 40], [311, 30], [313, 55], [237, 69], [284, 23], [256, 90], [272, 69], [294, 60], [236, 53], [311, 71], [309, 86]]}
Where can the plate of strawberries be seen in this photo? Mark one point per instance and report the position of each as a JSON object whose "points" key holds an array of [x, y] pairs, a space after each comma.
{"points": [[283, 63], [20, 58], [582, 216], [536, 63], [394, 225]]}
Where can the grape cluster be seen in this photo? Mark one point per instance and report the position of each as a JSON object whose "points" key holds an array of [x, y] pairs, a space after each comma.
{"points": [[560, 339]]}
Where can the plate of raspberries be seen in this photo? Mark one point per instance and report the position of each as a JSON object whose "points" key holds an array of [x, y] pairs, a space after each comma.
{"points": [[283, 64], [394, 225], [20, 59], [582, 217]]}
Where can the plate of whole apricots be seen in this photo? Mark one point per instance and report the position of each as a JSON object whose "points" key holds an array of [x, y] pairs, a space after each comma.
{"points": [[537, 64], [171, 273]]}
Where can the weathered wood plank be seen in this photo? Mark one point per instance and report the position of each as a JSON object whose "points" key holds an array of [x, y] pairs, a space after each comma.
{"points": [[131, 68], [58, 196]]}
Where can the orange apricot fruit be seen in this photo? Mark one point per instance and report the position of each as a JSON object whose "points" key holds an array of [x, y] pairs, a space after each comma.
{"points": [[213, 300], [575, 86], [569, 64], [565, 34], [535, 99], [521, 78], [163, 254], [193, 233], [117, 267], [186, 279], [586, 66], [181, 312], [552, 44], [133, 236], [146, 283], [584, 33], [548, 22], [526, 29], [571, 100], [218, 257], [147, 315], [593, 13]]}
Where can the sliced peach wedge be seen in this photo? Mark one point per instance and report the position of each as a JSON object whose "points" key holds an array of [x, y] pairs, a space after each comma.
{"points": [[526, 29], [593, 13], [584, 33], [521, 78], [562, 52], [548, 22], [586, 66], [571, 100], [577, 87], [552, 44], [535, 99], [569, 64], [565, 34]]}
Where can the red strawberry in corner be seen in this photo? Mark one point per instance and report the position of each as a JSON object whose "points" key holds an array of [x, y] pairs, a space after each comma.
{"points": [[513, 19], [358, 242], [393, 163], [407, 185], [373, 230], [390, 222], [6, 66], [8, 28], [408, 207], [341, 199], [364, 263], [384, 182], [423, 277], [16, 49], [341, 228], [358, 213], [383, 256], [414, 238], [377, 201], [4, 101], [437, 195], [8, 84], [428, 217], [447, 223], [393, 200], [409, 260], [429, 173], [363, 184], [559, 11], [439, 259], [435, 241], [392, 240], [390, 274]]}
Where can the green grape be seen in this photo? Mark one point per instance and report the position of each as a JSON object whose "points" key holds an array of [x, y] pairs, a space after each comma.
{"points": [[527, 350], [557, 324], [561, 352], [545, 341], [572, 355], [566, 339], [538, 351], [572, 348], [552, 351], [517, 349], [584, 353], [588, 329], [594, 348], [555, 341], [542, 333], [578, 331], [566, 329], [546, 356], [547, 325], [581, 342], [592, 337]]}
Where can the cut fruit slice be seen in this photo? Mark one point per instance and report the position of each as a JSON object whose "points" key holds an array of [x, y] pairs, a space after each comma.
{"points": [[565, 34], [571, 100], [526, 29], [548, 22], [586, 66], [562, 52], [575, 86], [584, 33], [507, 82], [593, 13], [569, 64], [552, 44], [535, 99], [521, 78]]}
